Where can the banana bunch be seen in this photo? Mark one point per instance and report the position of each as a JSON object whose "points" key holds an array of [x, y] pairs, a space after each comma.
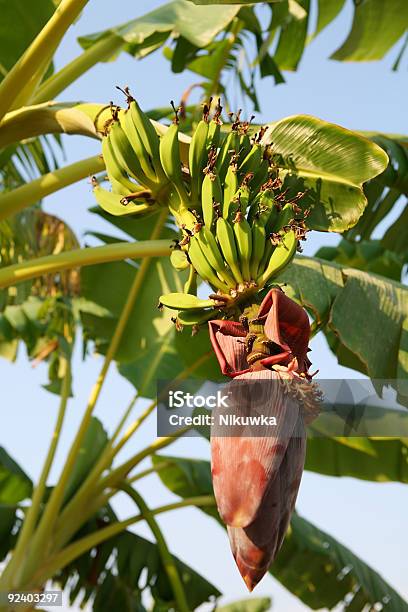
{"points": [[238, 228]]}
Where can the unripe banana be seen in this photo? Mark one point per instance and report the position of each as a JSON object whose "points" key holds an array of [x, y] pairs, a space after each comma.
{"points": [[264, 208], [280, 258], [211, 251], [115, 203], [244, 146], [194, 317], [184, 301], [214, 128], [258, 246], [226, 240], [170, 159], [148, 135], [252, 161], [129, 127], [243, 239], [266, 255], [119, 180], [190, 286], [178, 259], [260, 175], [230, 189], [211, 193], [285, 216], [202, 266], [126, 156], [213, 136], [229, 146], [197, 157]]}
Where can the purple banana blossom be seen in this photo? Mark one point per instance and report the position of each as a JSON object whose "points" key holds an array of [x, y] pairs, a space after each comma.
{"points": [[256, 475]]}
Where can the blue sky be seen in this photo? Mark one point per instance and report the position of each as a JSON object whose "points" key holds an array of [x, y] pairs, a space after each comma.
{"points": [[368, 517]]}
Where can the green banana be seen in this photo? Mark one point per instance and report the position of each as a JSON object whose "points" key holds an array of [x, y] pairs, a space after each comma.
{"points": [[211, 193], [213, 136], [148, 135], [258, 246], [115, 204], [211, 251], [243, 239], [171, 162], [129, 127], [244, 146], [230, 190], [269, 247], [214, 128], [194, 317], [203, 267], [184, 301], [284, 217], [178, 259], [280, 258], [260, 175], [197, 157], [252, 161], [226, 240], [230, 145], [119, 180], [264, 209], [190, 286], [126, 156]]}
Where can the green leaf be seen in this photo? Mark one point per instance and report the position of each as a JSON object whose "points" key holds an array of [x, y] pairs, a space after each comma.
{"points": [[7, 523], [322, 572], [331, 163], [327, 12], [146, 322], [93, 444], [364, 458], [125, 569], [377, 26], [311, 564], [178, 18], [257, 604], [367, 255], [292, 40], [18, 28], [15, 485], [170, 356], [352, 304]]}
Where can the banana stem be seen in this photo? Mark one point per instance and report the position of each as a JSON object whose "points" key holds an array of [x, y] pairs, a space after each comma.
{"points": [[32, 59], [78, 548], [115, 476], [105, 460], [73, 513], [59, 81], [166, 557], [41, 539], [18, 199], [17, 273], [151, 470], [34, 510]]}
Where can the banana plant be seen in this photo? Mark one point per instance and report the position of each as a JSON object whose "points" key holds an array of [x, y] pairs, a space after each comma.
{"points": [[225, 204]]}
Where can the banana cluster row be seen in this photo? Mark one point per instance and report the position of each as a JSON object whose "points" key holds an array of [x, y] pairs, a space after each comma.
{"points": [[244, 230], [130, 149]]}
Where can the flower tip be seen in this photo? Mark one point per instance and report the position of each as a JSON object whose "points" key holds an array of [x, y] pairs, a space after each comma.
{"points": [[250, 576]]}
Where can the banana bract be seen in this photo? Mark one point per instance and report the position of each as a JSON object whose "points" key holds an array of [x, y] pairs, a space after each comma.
{"points": [[257, 471]]}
